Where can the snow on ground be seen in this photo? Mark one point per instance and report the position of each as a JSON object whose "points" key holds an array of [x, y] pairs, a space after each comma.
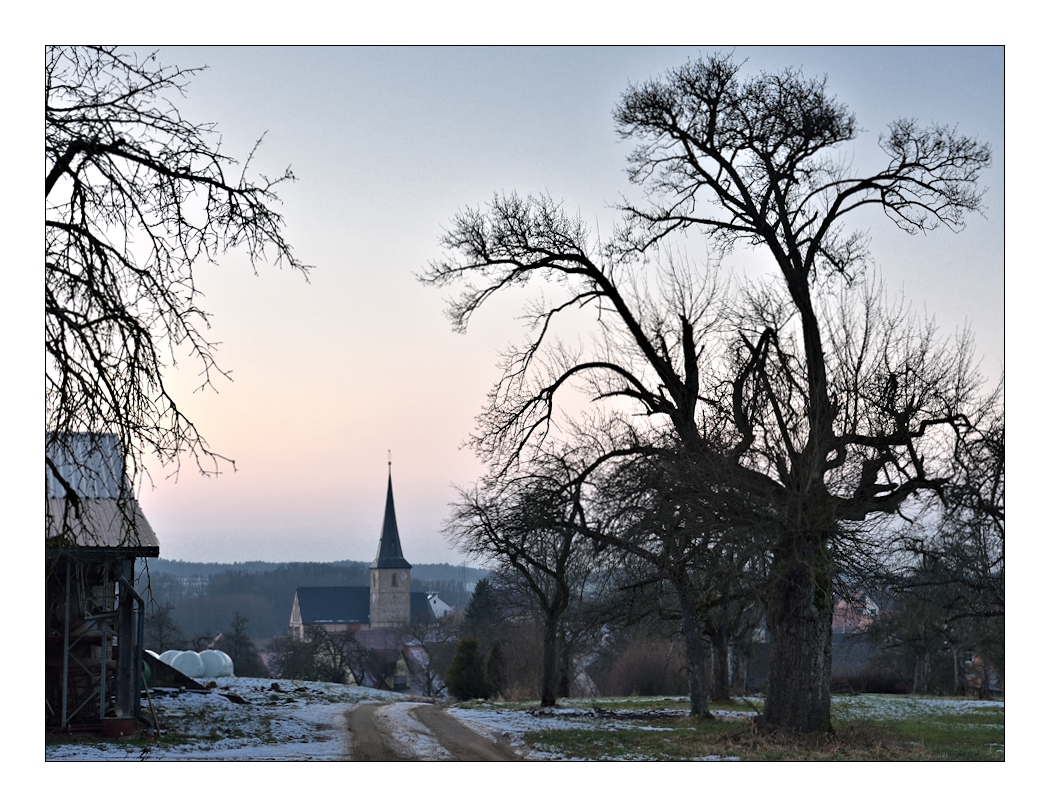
{"points": [[511, 724], [293, 720], [405, 731], [280, 720], [903, 707]]}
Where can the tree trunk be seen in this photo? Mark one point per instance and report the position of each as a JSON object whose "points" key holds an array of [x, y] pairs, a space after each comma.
{"points": [[696, 652], [799, 618], [720, 665], [738, 668], [549, 673], [958, 672], [564, 667], [921, 681], [986, 680]]}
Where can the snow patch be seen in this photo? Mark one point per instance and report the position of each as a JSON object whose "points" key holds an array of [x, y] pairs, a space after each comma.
{"points": [[413, 738], [511, 725], [275, 720]]}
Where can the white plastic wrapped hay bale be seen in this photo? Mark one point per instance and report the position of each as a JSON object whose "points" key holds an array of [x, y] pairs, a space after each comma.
{"points": [[214, 663], [189, 663], [227, 664]]}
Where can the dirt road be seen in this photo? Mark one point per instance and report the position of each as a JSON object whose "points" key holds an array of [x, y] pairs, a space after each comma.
{"points": [[416, 732]]}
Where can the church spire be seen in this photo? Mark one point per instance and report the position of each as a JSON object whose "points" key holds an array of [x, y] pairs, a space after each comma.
{"points": [[389, 555]]}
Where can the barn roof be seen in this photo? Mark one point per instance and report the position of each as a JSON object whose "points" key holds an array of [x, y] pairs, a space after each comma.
{"points": [[333, 604], [89, 463], [389, 555], [101, 524], [104, 514]]}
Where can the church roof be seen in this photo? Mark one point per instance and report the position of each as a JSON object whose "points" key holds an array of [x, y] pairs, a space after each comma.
{"points": [[389, 555], [419, 605], [347, 605], [333, 604]]}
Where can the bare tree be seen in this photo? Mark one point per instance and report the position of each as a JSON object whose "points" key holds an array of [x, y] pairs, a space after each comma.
{"points": [[949, 589], [241, 649], [750, 161], [525, 524], [702, 552], [813, 413], [135, 197], [648, 354], [321, 656], [435, 639], [162, 630]]}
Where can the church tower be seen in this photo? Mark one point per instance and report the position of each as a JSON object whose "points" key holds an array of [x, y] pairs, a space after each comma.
{"points": [[390, 575]]}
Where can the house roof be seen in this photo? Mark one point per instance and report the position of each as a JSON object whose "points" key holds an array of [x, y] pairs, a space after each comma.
{"points": [[89, 463], [333, 604], [389, 555], [437, 605], [104, 515]]}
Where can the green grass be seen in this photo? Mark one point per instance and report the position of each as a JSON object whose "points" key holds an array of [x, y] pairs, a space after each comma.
{"points": [[970, 736], [866, 728]]}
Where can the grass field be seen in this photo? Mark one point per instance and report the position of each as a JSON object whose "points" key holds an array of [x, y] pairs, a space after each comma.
{"points": [[866, 727]]}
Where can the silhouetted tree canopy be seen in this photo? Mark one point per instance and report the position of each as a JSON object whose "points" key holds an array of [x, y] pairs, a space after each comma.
{"points": [[136, 197], [807, 404]]}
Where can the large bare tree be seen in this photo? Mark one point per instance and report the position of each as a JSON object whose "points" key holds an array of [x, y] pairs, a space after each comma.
{"points": [[752, 161], [135, 198], [814, 402]]}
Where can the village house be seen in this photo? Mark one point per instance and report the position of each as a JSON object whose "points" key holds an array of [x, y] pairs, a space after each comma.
{"points": [[853, 614]]}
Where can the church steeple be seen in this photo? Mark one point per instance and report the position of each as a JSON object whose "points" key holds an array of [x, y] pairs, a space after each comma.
{"points": [[390, 575], [389, 555]]}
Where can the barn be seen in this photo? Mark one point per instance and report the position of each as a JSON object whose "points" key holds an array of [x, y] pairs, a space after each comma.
{"points": [[95, 532]]}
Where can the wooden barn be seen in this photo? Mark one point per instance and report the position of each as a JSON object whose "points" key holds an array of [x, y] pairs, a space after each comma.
{"points": [[95, 532]]}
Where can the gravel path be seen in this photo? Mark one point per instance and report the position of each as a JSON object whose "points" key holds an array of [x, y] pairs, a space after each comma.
{"points": [[417, 732]]}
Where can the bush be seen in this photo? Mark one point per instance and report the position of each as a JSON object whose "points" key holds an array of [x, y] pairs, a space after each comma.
{"points": [[242, 650], [465, 677], [643, 665], [496, 669]]}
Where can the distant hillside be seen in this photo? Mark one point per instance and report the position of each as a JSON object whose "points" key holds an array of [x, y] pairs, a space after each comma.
{"points": [[205, 597], [422, 571], [467, 575]]}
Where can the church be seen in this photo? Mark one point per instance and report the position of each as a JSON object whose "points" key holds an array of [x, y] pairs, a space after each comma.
{"points": [[387, 602]]}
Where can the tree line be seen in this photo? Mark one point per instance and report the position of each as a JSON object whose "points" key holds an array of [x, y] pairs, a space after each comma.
{"points": [[201, 606]]}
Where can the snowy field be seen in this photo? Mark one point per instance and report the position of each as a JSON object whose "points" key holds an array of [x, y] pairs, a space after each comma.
{"points": [[260, 719], [512, 723], [904, 707], [297, 720]]}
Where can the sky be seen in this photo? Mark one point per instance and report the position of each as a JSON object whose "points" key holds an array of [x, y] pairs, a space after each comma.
{"points": [[331, 373]]}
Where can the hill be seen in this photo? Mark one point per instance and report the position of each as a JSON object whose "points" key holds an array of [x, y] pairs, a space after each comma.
{"points": [[201, 599]]}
